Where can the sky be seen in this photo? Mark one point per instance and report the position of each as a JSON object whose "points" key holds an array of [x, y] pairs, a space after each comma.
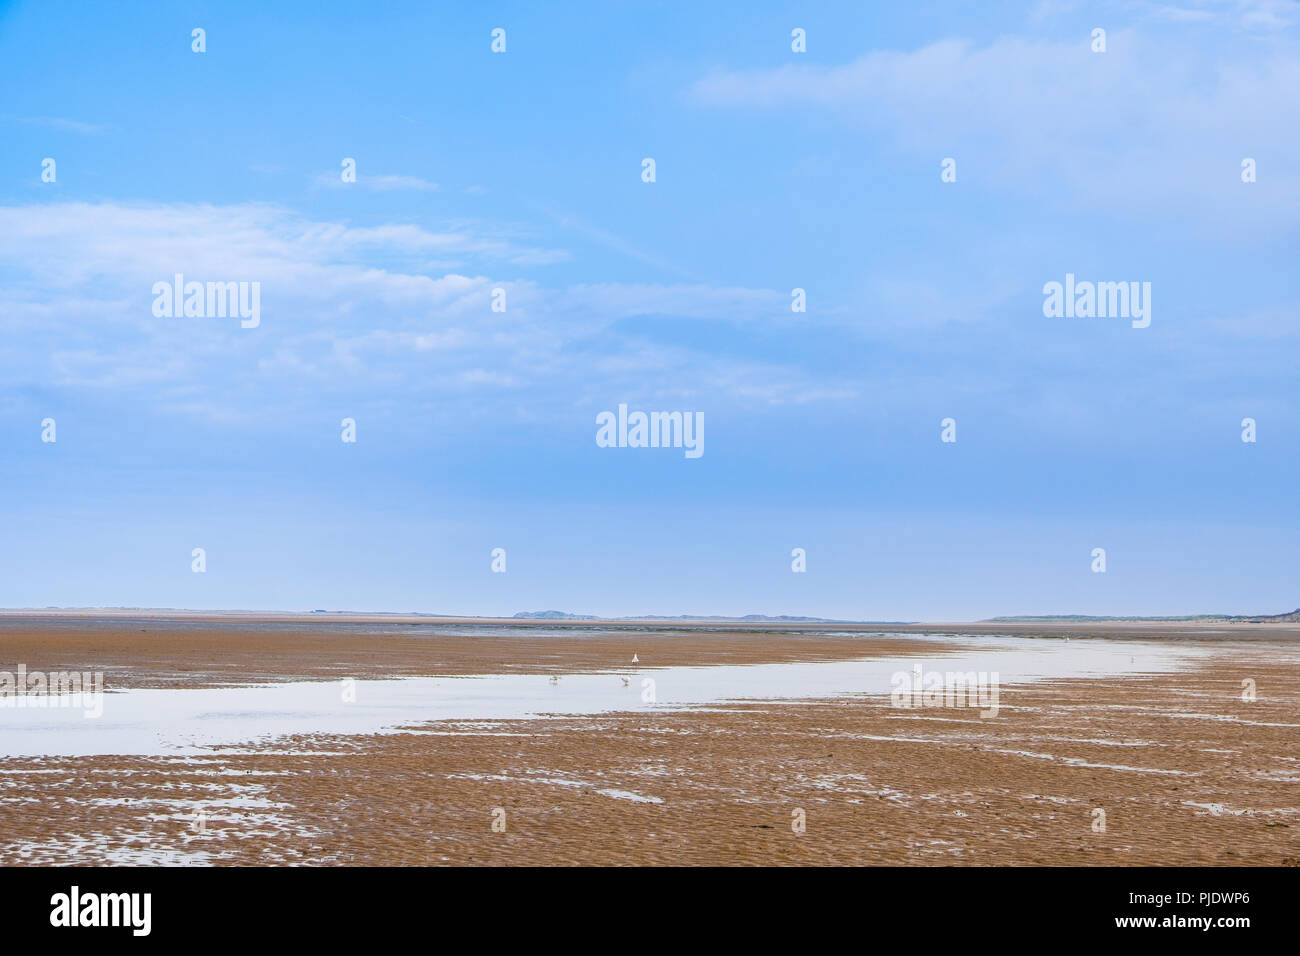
{"points": [[774, 170]]}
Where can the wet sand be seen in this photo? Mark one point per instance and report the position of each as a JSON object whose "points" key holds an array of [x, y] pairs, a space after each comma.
{"points": [[206, 653], [1185, 771]]}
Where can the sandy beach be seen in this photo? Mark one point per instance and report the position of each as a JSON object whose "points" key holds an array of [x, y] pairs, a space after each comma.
{"points": [[1154, 759]]}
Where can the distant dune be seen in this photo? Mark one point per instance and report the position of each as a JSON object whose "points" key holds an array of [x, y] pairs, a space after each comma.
{"points": [[554, 616], [1292, 617], [746, 618]]}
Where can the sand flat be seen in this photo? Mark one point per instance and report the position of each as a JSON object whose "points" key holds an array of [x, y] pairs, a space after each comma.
{"points": [[1184, 769]]}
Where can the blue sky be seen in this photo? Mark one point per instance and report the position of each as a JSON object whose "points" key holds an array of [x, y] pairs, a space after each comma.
{"points": [[775, 170]]}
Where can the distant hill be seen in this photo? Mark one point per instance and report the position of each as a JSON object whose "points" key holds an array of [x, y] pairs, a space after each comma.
{"points": [[566, 616], [1292, 617], [745, 618], [780, 618], [554, 616]]}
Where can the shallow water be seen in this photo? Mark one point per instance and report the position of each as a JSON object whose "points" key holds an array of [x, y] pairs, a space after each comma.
{"points": [[176, 721]]}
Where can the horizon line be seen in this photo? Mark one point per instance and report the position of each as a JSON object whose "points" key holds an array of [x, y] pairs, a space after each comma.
{"points": [[573, 618]]}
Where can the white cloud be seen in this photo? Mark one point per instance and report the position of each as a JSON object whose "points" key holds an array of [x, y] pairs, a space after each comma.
{"points": [[603, 237], [73, 242], [379, 183], [60, 123], [696, 300], [1152, 126], [342, 307]]}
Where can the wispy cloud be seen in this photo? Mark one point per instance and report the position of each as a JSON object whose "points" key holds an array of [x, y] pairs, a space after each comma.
{"points": [[1249, 14], [378, 183], [603, 237], [59, 123], [250, 239], [341, 304], [1152, 126]]}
